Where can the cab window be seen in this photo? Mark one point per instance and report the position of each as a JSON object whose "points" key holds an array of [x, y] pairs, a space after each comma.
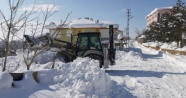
{"points": [[95, 43]]}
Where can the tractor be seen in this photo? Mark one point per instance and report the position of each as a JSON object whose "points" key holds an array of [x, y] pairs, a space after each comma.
{"points": [[88, 44]]}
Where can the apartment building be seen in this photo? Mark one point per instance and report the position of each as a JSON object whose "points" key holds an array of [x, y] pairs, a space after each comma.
{"points": [[156, 14]]}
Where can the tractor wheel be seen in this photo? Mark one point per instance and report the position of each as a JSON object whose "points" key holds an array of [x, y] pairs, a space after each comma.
{"points": [[96, 57]]}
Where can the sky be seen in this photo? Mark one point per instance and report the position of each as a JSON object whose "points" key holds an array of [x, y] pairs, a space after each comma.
{"points": [[104, 10]]}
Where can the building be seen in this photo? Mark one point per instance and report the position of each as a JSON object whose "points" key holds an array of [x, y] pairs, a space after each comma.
{"points": [[82, 25], [156, 14]]}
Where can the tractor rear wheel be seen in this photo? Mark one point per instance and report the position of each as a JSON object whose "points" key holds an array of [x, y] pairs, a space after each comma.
{"points": [[97, 57]]}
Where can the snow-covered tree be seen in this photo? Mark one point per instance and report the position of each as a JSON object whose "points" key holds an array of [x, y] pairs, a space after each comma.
{"points": [[178, 21], [164, 28], [154, 31], [171, 26]]}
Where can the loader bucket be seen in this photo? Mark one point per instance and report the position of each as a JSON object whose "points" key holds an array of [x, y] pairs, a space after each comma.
{"points": [[19, 76]]}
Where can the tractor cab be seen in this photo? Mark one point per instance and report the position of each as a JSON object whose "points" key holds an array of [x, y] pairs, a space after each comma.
{"points": [[88, 41]]}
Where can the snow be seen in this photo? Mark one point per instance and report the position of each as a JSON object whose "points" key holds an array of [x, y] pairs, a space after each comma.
{"points": [[80, 78], [120, 36], [5, 80], [171, 46], [84, 23], [156, 9], [139, 72], [152, 44], [142, 36]]}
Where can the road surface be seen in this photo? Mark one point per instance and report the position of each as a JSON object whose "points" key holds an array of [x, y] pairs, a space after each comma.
{"points": [[146, 73]]}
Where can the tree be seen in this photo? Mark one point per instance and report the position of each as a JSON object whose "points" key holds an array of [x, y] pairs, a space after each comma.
{"points": [[164, 27], [171, 26], [178, 21], [12, 23], [154, 31], [22, 21], [138, 33]]}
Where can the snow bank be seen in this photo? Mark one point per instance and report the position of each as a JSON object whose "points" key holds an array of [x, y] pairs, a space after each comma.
{"points": [[179, 60], [182, 49], [171, 46], [6, 80], [77, 79], [81, 78], [12, 63], [122, 55], [152, 44], [42, 58]]}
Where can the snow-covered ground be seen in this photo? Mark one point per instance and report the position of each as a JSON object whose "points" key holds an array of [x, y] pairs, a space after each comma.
{"points": [[140, 72]]}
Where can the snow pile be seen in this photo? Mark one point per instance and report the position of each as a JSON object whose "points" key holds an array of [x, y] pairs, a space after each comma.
{"points": [[120, 36], [17, 64], [165, 46], [172, 45], [179, 60], [149, 44], [6, 80], [134, 55], [152, 44], [145, 44], [182, 49], [122, 55], [86, 77], [42, 58], [142, 36], [77, 79], [81, 78]]}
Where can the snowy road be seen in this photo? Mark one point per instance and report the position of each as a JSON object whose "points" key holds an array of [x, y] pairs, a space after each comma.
{"points": [[147, 74]]}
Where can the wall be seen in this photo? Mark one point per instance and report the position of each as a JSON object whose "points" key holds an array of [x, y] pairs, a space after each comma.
{"points": [[64, 32], [156, 15]]}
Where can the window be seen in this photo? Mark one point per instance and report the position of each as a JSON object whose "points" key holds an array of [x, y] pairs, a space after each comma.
{"points": [[95, 43], [69, 33], [82, 43]]}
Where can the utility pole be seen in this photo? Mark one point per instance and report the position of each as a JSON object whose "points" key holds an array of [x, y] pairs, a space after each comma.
{"points": [[127, 28]]}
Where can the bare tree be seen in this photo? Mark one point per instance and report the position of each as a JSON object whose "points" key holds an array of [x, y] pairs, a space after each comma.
{"points": [[16, 21], [139, 32], [12, 23], [36, 51]]}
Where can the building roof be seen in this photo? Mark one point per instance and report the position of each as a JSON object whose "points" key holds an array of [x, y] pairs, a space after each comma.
{"points": [[157, 9], [83, 23]]}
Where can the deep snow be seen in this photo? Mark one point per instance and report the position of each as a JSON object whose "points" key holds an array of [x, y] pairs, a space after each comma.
{"points": [[140, 72]]}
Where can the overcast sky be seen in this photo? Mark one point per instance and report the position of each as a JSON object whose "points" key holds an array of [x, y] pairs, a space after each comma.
{"points": [[105, 10]]}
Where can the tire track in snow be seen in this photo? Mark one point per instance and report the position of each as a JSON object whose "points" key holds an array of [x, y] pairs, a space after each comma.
{"points": [[152, 77]]}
